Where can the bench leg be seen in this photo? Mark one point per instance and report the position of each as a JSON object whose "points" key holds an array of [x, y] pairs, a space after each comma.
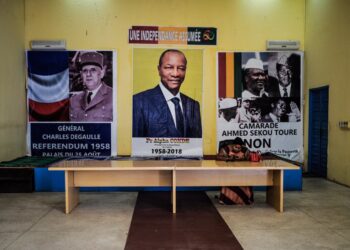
{"points": [[173, 192], [72, 193], [274, 194]]}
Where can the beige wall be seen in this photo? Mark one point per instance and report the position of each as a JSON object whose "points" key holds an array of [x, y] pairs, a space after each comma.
{"points": [[327, 60], [12, 81], [243, 25]]}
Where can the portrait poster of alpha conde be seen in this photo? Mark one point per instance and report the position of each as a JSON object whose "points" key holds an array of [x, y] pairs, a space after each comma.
{"points": [[71, 103], [259, 99], [167, 96]]}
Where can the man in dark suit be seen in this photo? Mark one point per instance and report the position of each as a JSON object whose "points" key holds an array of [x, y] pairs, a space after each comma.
{"points": [[286, 84], [95, 103], [163, 111]]}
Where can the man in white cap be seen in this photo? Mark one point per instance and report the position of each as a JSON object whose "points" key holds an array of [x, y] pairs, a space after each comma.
{"points": [[283, 85], [255, 79], [227, 110]]}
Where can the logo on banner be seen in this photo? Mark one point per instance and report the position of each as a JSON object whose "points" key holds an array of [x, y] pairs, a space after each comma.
{"points": [[172, 35]]}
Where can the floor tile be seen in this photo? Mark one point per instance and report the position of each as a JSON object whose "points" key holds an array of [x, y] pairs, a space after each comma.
{"points": [[290, 239], [345, 233], [334, 217], [15, 220], [7, 238], [114, 239], [92, 214]]}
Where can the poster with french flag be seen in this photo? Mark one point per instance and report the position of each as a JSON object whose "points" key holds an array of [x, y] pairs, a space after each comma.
{"points": [[71, 103], [259, 102], [48, 86]]}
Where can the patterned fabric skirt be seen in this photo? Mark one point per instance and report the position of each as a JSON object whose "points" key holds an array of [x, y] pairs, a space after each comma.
{"points": [[236, 196]]}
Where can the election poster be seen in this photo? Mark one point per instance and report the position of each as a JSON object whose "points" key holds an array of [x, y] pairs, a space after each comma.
{"points": [[167, 96], [71, 100], [260, 101]]}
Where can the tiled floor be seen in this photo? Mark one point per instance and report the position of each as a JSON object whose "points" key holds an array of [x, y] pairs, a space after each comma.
{"points": [[316, 218]]}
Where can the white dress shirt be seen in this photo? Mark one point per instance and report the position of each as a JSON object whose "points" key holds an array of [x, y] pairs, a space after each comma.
{"points": [[168, 96], [282, 89]]}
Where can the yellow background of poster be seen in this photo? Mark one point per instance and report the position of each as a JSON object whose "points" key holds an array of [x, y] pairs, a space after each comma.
{"points": [[145, 72]]}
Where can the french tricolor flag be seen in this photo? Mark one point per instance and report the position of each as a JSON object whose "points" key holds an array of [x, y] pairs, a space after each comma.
{"points": [[48, 85]]}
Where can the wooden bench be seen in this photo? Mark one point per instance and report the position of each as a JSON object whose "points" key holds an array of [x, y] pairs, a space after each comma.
{"points": [[187, 173]]}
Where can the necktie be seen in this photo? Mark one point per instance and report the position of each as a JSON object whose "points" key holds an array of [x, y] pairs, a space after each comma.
{"points": [[285, 93], [179, 116], [88, 99]]}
